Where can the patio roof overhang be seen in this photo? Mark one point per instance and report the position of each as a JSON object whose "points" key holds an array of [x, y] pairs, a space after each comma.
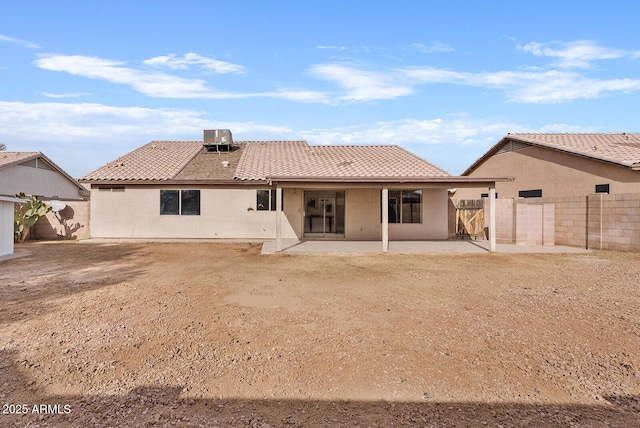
{"points": [[390, 182]]}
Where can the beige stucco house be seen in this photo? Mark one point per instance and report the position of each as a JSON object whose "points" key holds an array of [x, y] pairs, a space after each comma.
{"points": [[554, 165], [32, 173], [264, 190]]}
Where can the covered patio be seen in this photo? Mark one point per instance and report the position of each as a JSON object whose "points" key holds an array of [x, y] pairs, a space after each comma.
{"points": [[427, 226]]}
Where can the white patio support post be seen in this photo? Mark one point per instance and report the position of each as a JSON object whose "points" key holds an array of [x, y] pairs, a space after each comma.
{"points": [[278, 219], [492, 219], [385, 220]]}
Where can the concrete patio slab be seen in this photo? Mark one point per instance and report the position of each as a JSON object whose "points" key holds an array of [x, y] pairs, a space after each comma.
{"points": [[292, 246]]}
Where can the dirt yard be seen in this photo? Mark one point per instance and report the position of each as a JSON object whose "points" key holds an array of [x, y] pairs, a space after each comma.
{"points": [[205, 335]]}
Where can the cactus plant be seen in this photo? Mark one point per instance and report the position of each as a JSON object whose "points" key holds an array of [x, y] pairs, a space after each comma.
{"points": [[26, 215]]}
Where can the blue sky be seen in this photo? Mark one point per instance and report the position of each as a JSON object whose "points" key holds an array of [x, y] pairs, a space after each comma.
{"points": [[85, 82]]}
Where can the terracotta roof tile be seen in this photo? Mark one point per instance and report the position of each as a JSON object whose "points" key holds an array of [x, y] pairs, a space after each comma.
{"points": [[157, 160], [262, 160], [623, 148], [209, 165], [13, 158]]}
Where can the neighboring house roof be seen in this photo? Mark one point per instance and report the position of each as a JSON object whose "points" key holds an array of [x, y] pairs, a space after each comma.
{"points": [[261, 161], [8, 159], [621, 149]]}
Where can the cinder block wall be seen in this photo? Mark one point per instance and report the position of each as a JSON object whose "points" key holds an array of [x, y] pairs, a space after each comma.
{"points": [[614, 222], [70, 223], [570, 220], [599, 221]]}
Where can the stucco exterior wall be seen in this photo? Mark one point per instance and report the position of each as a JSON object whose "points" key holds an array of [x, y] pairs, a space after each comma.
{"points": [[435, 219], [230, 213], [363, 217], [6, 228], [224, 213], [37, 182], [556, 173]]}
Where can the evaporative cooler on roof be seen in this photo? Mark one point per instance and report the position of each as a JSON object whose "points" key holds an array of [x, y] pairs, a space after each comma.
{"points": [[217, 140]]}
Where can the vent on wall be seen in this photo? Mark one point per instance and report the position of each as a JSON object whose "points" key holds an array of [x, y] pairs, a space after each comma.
{"points": [[512, 146]]}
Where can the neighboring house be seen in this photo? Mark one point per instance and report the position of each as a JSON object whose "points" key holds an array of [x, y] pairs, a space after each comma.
{"points": [[218, 188], [553, 165], [35, 174], [6, 223]]}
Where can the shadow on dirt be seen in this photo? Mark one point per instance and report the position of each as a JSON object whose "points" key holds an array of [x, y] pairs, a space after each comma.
{"points": [[166, 406], [50, 271]]}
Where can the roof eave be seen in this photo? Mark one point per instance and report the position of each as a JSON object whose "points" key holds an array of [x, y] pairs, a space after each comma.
{"points": [[381, 180], [187, 182]]}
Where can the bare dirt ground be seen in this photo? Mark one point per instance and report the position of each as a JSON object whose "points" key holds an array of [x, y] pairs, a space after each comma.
{"points": [[218, 335]]}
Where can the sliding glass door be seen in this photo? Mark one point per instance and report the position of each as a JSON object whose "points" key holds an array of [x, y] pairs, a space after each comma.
{"points": [[323, 214]]}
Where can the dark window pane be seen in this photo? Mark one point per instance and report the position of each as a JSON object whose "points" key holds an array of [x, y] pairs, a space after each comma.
{"points": [[411, 206], [263, 200], [602, 188], [530, 193], [190, 202], [394, 206], [169, 202], [273, 200]]}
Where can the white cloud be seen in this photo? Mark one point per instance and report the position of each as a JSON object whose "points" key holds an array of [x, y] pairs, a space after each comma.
{"points": [[68, 95], [157, 84], [24, 43], [529, 86], [411, 132], [149, 83], [339, 48], [362, 85], [81, 137], [433, 47], [182, 63], [525, 85], [574, 54]]}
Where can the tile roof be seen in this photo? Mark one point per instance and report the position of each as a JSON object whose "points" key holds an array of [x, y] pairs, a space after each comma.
{"points": [[13, 158], [209, 165], [155, 161], [260, 160], [621, 148], [291, 159]]}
